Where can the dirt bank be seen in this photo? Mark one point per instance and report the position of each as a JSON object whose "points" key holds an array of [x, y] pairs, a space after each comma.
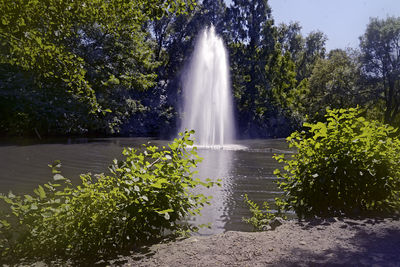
{"points": [[333, 242]]}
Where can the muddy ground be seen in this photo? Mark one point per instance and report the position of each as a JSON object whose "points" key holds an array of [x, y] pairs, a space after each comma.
{"points": [[332, 242]]}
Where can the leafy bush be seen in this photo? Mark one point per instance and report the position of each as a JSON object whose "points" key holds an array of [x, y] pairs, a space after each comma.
{"points": [[147, 194], [346, 166]]}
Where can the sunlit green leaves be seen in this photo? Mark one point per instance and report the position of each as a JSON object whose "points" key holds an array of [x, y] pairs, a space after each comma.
{"points": [[260, 218], [348, 165], [39, 36], [148, 192]]}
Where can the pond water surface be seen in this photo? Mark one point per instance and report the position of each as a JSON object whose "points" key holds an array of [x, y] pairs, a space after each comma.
{"points": [[244, 169]]}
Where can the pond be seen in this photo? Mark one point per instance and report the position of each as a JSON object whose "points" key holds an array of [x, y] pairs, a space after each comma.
{"points": [[245, 169]]}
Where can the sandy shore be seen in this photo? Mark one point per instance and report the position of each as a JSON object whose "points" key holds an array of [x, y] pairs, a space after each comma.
{"points": [[333, 242]]}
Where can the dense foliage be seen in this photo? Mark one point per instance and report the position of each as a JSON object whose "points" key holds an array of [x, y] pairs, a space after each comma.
{"points": [[42, 36], [84, 54], [65, 62], [345, 166], [146, 194], [380, 59], [95, 67]]}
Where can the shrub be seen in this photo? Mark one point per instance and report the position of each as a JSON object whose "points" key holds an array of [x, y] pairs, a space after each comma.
{"points": [[260, 218], [146, 194], [346, 166]]}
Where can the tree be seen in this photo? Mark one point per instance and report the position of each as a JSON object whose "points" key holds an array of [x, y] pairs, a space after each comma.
{"points": [[93, 52], [291, 40], [283, 79], [213, 11], [252, 43], [291, 69], [314, 49], [380, 48], [35, 34], [333, 84]]}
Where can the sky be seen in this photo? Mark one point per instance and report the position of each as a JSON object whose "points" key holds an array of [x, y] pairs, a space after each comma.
{"points": [[343, 21]]}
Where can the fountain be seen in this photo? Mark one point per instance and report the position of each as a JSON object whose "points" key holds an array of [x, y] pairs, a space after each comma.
{"points": [[207, 93]]}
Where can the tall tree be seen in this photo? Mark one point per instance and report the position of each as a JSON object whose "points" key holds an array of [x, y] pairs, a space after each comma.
{"points": [[35, 35], [291, 40], [282, 73], [334, 83], [213, 12], [70, 51], [314, 49], [252, 42], [380, 48]]}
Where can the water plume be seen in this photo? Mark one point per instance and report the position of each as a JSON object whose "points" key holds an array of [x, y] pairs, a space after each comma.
{"points": [[207, 93]]}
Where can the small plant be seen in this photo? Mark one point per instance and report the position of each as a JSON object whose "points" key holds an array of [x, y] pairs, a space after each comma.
{"points": [[260, 218], [346, 166], [147, 194]]}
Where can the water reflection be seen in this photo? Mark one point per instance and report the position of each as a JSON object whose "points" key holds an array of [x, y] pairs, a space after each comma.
{"points": [[216, 164], [245, 170], [253, 176]]}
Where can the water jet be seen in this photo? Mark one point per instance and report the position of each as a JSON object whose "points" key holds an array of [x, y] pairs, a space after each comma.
{"points": [[207, 107]]}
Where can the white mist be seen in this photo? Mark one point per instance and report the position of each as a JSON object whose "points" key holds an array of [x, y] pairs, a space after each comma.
{"points": [[207, 93]]}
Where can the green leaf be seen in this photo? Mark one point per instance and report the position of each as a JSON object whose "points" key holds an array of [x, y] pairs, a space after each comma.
{"points": [[4, 223], [5, 21], [29, 198], [40, 192]]}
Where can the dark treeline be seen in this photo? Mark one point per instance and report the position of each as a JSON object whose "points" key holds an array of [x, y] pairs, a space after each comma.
{"points": [[68, 69]]}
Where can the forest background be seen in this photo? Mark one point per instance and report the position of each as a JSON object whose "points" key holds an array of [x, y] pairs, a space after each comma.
{"points": [[90, 68]]}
